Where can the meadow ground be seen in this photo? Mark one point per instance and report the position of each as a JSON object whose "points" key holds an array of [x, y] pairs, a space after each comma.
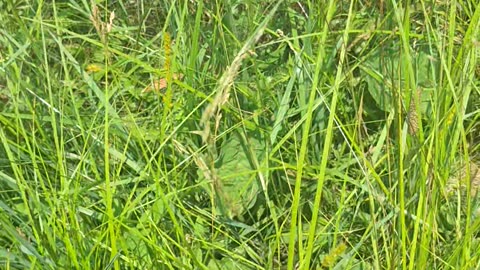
{"points": [[239, 134]]}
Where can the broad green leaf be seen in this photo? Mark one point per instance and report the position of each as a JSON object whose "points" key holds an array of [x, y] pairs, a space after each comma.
{"points": [[382, 73], [238, 186]]}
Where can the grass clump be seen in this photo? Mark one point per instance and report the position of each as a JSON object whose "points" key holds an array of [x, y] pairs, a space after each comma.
{"points": [[239, 134]]}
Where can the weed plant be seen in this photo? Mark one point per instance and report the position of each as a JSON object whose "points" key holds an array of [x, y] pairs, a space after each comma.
{"points": [[239, 134]]}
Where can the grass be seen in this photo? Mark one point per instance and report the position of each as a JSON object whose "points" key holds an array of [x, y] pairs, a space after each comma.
{"points": [[239, 134]]}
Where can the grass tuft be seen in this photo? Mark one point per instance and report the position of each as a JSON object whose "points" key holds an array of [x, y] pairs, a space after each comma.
{"points": [[239, 134]]}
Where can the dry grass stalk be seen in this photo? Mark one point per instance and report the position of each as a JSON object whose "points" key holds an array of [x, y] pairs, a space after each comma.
{"points": [[223, 88], [101, 27]]}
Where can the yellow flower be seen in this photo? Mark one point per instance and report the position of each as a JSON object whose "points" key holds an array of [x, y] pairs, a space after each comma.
{"points": [[94, 68], [329, 260]]}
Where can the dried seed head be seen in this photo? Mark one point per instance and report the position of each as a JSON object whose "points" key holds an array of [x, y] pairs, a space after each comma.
{"points": [[412, 116], [460, 178]]}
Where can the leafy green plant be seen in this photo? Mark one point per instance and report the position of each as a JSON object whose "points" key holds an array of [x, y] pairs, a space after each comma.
{"points": [[239, 134]]}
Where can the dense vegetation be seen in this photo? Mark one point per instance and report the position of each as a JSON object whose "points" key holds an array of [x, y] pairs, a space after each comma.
{"points": [[239, 134]]}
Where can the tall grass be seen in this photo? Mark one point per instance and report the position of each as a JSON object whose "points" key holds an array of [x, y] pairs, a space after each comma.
{"points": [[239, 134]]}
